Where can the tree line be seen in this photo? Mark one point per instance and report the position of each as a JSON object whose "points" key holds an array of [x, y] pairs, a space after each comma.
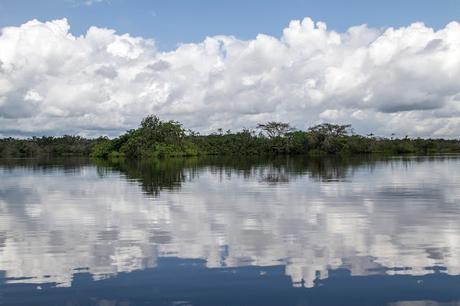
{"points": [[157, 138], [46, 146]]}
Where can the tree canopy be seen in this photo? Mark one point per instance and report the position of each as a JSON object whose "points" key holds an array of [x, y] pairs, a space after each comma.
{"points": [[275, 129], [157, 138]]}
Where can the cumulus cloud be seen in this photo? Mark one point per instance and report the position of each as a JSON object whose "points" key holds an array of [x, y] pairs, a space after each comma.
{"points": [[395, 80]]}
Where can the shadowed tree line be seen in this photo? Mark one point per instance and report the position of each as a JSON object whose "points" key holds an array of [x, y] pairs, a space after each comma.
{"points": [[157, 138], [46, 146]]}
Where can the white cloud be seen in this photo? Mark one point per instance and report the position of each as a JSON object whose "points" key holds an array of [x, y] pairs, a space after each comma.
{"points": [[89, 2], [401, 80]]}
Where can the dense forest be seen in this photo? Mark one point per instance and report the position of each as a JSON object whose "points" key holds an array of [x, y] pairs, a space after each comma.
{"points": [[46, 146], [157, 138]]}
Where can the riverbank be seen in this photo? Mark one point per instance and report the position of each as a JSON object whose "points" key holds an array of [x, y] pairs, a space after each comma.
{"points": [[156, 138]]}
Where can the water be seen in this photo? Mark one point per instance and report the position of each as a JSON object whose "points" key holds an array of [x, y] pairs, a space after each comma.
{"points": [[216, 231]]}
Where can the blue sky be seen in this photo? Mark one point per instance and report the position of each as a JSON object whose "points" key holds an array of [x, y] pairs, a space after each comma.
{"points": [[395, 75], [171, 22]]}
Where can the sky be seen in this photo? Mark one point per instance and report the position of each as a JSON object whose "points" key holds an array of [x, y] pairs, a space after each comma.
{"points": [[171, 22], [96, 67]]}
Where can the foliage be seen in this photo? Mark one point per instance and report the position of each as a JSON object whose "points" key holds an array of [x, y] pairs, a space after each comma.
{"points": [[47, 145], [153, 138], [275, 129], [157, 138]]}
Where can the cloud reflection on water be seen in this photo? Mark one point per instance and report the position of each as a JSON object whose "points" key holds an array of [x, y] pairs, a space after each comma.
{"points": [[397, 216]]}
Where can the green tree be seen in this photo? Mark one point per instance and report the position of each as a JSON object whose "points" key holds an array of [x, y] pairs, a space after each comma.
{"points": [[275, 129]]}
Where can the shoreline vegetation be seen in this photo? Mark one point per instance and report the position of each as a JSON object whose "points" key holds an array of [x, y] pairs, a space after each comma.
{"points": [[156, 138]]}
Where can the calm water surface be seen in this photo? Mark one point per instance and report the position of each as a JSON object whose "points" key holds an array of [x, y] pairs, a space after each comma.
{"points": [[289, 231]]}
